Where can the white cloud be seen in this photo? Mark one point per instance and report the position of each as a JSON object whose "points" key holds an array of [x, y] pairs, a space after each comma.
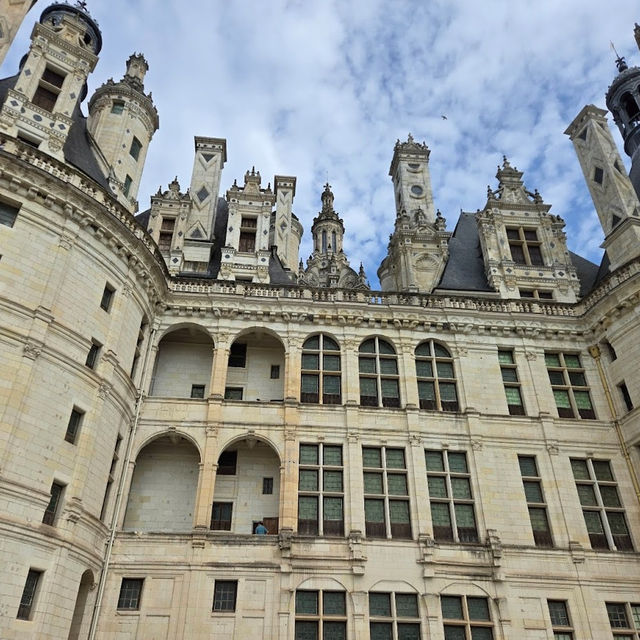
{"points": [[319, 88]]}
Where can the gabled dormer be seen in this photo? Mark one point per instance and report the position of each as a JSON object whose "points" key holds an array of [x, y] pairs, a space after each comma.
{"points": [[52, 79], [523, 245]]}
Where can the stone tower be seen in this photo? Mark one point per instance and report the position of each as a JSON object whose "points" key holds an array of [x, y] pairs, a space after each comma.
{"points": [[417, 251], [328, 265], [614, 194], [13, 14], [52, 80], [122, 120]]}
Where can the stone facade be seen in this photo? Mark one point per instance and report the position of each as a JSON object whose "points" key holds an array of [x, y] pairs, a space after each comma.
{"points": [[455, 456]]}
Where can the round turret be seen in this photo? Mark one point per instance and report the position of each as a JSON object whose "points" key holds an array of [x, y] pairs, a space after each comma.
{"points": [[54, 13]]}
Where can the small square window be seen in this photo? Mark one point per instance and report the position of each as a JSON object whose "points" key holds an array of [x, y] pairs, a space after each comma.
{"points": [[8, 214], [598, 175], [107, 297], [233, 393], [130, 592], [136, 147], [117, 107], [74, 425], [92, 356], [197, 390], [267, 486], [224, 595], [275, 371]]}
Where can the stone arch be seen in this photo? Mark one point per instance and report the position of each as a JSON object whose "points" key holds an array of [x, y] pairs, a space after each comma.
{"points": [[173, 435], [458, 587], [79, 620], [322, 582], [393, 585], [182, 368], [247, 488], [163, 488], [256, 367]]}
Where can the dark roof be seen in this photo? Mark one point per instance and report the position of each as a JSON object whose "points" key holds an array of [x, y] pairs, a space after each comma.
{"points": [[465, 268], [143, 218], [78, 148], [588, 272]]}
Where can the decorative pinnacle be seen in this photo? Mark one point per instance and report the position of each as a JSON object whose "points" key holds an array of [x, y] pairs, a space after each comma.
{"points": [[621, 63], [636, 34]]}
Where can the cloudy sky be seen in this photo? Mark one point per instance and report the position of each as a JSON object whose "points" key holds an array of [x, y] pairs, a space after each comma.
{"points": [[323, 88]]}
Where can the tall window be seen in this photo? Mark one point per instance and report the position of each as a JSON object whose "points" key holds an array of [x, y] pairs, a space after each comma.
{"points": [[386, 493], [569, 385], [165, 238], [138, 349], [48, 89], [224, 595], [8, 214], [51, 512], [436, 380], [450, 496], [130, 593], [624, 618], [126, 187], [107, 297], [221, 516], [136, 147], [524, 246], [73, 426], [321, 615], [25, 610], [111, 477], [320, 371], [320, 490], [394, 616], [535, 501], [466, 618], [511, 382], [560, 621], [378, 374], [92, 355], [248, 228], [601, 506]]}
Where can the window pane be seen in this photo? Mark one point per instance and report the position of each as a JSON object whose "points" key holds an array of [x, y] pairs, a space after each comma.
{"points": [[371, 457], [334, 631], [635, 612], [461, 488], [440, 514], [331, 386], [423, 349], [397, 484], [426, 390], [390, 388], [374, 510], [310, 384], [423, 369], [538, 518], [434, 460], [617, 523], [406, 605], [399, 511], [333, 509], [333, 603], [329, 344], [368, 346], [332, 481], [437, 486], [381, 631], [602, 469], [444, 369], [580, 469], [312, 343], [373, 482], [331, 363], [453, 633], [617, 615], [388, 366], [509, 375], [380, 604], [478, 609], [464, 515], [562, 399], [593, 522], [310, 361], [583, 401], [505, 357], [556, 377], [440, 351], [395, 458], [571, 361], [481, 633], [610, 496], [458, 462], [533, 492], [385, 347], [587, 495], [448, 392], [558, 613], [408, 631], [367, 365], [527, 465], [368, 387], [577, 379], [308, 454], [332, 455], [308, 480], [307, 602], [308, 508], [306, 630], [451, 608], [552, 359]]}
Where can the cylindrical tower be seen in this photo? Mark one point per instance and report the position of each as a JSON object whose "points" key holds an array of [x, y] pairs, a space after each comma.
{"points": [[122, 120]]}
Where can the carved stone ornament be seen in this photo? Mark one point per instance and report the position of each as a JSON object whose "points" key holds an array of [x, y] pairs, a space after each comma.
{"points": [[104, 390], [31, 350]]}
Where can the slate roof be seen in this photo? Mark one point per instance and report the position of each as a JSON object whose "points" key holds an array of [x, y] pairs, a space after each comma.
{"points": [[78, 148]]}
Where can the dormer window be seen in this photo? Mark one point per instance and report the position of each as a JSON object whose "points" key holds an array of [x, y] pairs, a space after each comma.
{"points": [[166, 234], [48, 89], [248, 228], [524, 246]]}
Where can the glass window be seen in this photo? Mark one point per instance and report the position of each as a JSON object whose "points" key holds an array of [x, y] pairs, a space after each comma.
{"points": [[224, 595], [320, 615], [394, 616], [436, 378], [524, 246], [51, 512], [569, 386], [130, 593], [466, 618], [25, 610], [536, 504], [321, 381], [378, 368]]}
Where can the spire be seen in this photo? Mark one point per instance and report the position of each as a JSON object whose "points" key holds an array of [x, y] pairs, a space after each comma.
{"points": [[636, 33], [327, 212], [137, 67]]}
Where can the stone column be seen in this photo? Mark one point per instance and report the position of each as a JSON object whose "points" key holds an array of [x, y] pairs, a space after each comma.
{"points": [[350, 378], [354, 480], [292, 368], [219, 369], [418, 487], [206, 480], [407, 372], [288, 512]]}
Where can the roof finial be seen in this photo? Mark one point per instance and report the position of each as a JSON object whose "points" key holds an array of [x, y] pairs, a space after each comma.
{"points": [[620, 61]]}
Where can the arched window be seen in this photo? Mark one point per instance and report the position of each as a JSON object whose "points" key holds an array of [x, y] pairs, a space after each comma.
{"points": [[320, 371], [630, 106], [436, 379], [324, 242], [378, 366]]}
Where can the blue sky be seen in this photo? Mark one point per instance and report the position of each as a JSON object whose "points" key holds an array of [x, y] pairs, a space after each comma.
{"points": [[323, 88]]}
